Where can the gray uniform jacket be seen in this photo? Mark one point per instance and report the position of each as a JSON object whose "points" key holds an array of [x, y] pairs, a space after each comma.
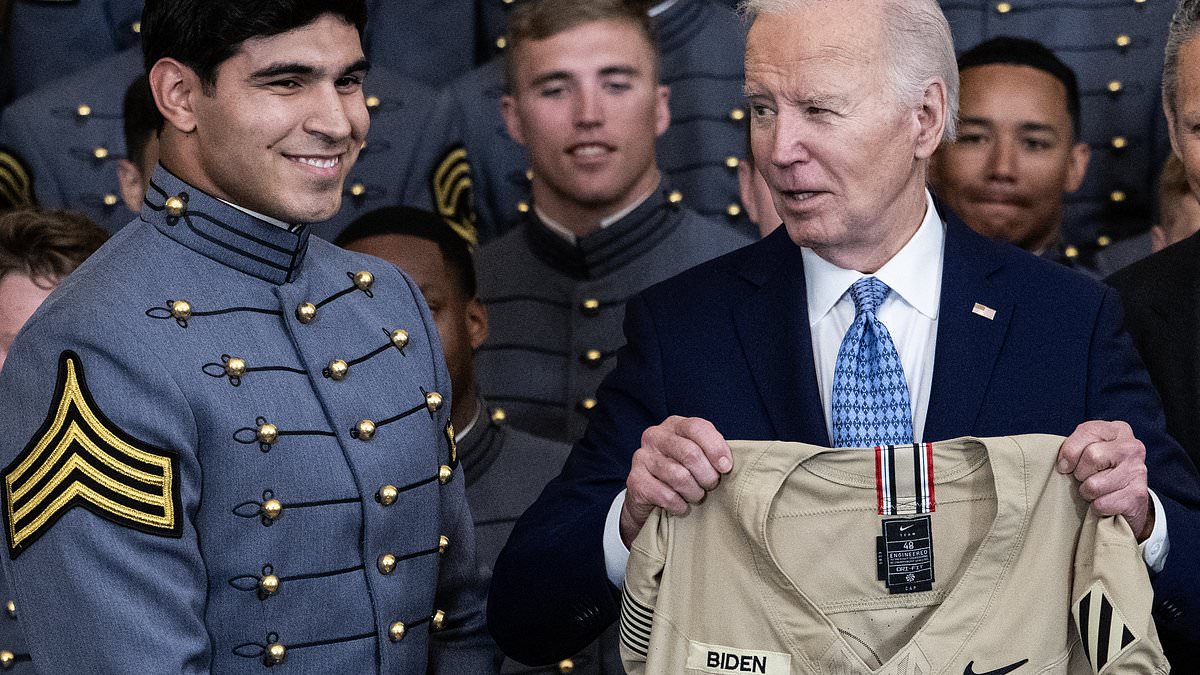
{"points": [[702, 46], [555, 309], [1116, 49], [506, 469], [255, 426]]}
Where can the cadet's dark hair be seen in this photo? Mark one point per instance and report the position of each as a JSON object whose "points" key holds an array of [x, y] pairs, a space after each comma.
{"points": [[422, 225], [203, 34], [141, 119], [541, 19], [45, 244], [1021, 52]]}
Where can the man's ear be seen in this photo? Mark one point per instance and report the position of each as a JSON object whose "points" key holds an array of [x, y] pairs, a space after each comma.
{"points": [[1081, 155], [662, 110], [175, 88], [1170, 124], [512, 121], [931, 119], [130, 179], [477, 323]]}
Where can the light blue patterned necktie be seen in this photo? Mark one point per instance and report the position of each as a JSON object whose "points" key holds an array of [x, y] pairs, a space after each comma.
{"points": [[870, 395]]}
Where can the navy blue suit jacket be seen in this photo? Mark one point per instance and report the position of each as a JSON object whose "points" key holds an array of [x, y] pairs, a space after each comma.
{"points": [[729, 341]]}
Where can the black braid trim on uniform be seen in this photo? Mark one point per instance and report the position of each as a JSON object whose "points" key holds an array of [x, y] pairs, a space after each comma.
{"points": [[413, 486], [396, 418], [253, 509], [525, 399], [544, 351], [165, 313], [266, 447], [249, 582], [365, 357], [418, 554], [254, 650], [519, 297], [217, 370]]}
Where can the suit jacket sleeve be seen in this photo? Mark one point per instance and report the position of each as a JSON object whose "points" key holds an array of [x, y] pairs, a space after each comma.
{"points": [[97, 595], [1120, 389], [550, 595]]}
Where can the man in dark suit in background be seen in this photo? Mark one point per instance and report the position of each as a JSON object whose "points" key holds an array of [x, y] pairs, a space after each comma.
{"points": [[849, 100]]}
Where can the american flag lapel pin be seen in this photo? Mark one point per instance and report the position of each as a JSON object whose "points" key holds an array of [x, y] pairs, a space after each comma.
{"points": [[984, 311]]}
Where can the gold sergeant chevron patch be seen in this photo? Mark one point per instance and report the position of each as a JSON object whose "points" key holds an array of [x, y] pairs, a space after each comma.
{"points": [[79, 458], [1102, 629], [452, 195]]}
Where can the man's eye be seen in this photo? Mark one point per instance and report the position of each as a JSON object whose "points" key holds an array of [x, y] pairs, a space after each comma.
{"points": [[970, 139], [285, 84], [815, 111], [618, 86], [760, 111], [349, 81], [1036, 144], [552, 92]]}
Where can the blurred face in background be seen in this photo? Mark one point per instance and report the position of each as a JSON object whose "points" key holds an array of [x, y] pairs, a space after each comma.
{"points": [[19, 297]]}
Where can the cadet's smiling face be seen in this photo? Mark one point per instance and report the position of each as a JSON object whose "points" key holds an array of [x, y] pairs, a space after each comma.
{"points": [[284, 122], [588, 108]]}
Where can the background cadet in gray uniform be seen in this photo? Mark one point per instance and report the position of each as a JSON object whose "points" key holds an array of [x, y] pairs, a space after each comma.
{"points": [[38, 248], [701, 45], [1116, 49], [259, 431], [603, 224], [48, 39], [505, 468]]}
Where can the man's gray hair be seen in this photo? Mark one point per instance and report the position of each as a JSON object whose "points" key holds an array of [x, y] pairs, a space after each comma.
{"points": [[919, 44], [1185, 25]]}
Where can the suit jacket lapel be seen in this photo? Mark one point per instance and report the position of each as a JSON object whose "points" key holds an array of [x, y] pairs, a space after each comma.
{"points": [[969, 336], [772, 326]]}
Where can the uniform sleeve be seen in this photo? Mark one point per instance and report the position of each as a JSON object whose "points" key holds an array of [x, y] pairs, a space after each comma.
{"points": [[101, 488], [639, 596], [441, 180], [1120, 389], [1112, 600]]}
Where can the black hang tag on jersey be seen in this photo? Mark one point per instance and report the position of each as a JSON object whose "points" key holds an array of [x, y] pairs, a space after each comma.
{"points": [[904, 555]]}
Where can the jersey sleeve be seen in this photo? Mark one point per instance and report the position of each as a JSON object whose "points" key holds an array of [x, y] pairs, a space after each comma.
{"points": [[1112, 601], [639, 595]]}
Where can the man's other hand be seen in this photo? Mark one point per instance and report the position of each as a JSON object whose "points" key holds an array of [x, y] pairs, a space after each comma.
{"points": [[679, 462], [1111, 467]]}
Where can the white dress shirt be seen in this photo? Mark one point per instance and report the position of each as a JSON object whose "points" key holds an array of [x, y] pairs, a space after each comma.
{"points": [[910, 313]]}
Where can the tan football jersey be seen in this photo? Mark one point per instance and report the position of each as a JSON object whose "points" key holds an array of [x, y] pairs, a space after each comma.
{"points": [[965, 557]]}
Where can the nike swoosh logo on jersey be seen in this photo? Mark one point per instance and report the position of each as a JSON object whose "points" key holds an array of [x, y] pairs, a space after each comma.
{"points": [[970, 669], [906, 527]]}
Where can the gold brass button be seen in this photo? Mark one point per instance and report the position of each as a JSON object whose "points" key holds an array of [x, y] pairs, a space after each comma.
{"points": [[590, 307], [11, 608], [110, 200], [387, 495], [396, 631], [269, 584], [100, 153], [267, 433], [1003, 7], [235, 367], [1117, 196], [7, 659], [523, 207], [443, 543], [1115, 87], [433, 401], [306, 312], [338, 369], [499, 416], [529, 174], [566, 666], [1071, 252], [358, 189], [386, 563], [276, 653], [84, 110], [181, 309], [508, 2], [1104, 240], [366, 430], [675, 197], [445, 473], [592, 357], [372, 101], [399, 338], [272, 509], [732, 162], [136, 26], [1124, 41], [737, 114], [501, 43], [174, 207], [1119, 142], [438, 620], [587, 404], [733, 210], [364, 280]]}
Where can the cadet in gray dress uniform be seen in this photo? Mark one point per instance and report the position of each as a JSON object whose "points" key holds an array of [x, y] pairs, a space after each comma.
{"points": [[602, 224], [701, 45], [253, 423], [505, 468], [1116, 49]]}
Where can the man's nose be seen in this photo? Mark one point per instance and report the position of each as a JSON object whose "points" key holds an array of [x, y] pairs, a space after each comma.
{"points": [[589, 108], [1002, 160], [790, 135], [331, 113]]}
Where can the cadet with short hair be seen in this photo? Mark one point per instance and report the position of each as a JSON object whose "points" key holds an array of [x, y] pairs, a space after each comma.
{"points": [[240, 433], [604, 223]]}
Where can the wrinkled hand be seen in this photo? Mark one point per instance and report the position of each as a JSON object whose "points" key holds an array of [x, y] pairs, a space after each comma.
{"points": [[1111, 467], [679, 462]]}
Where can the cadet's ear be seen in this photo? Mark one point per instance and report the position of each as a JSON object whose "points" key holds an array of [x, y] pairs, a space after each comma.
{"points": [[477, 323], [174, 86], [508, 110], [662, 109], [132, 187]]}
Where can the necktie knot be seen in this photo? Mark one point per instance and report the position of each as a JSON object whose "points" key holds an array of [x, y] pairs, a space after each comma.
{"points": [[868, 294]]}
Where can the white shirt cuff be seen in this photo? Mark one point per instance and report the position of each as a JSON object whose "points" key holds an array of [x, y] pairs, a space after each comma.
{"points": [[1157, 545], [616, 556]]}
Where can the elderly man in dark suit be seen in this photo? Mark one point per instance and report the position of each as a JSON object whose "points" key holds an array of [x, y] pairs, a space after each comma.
{"points": [[873, 316]]}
